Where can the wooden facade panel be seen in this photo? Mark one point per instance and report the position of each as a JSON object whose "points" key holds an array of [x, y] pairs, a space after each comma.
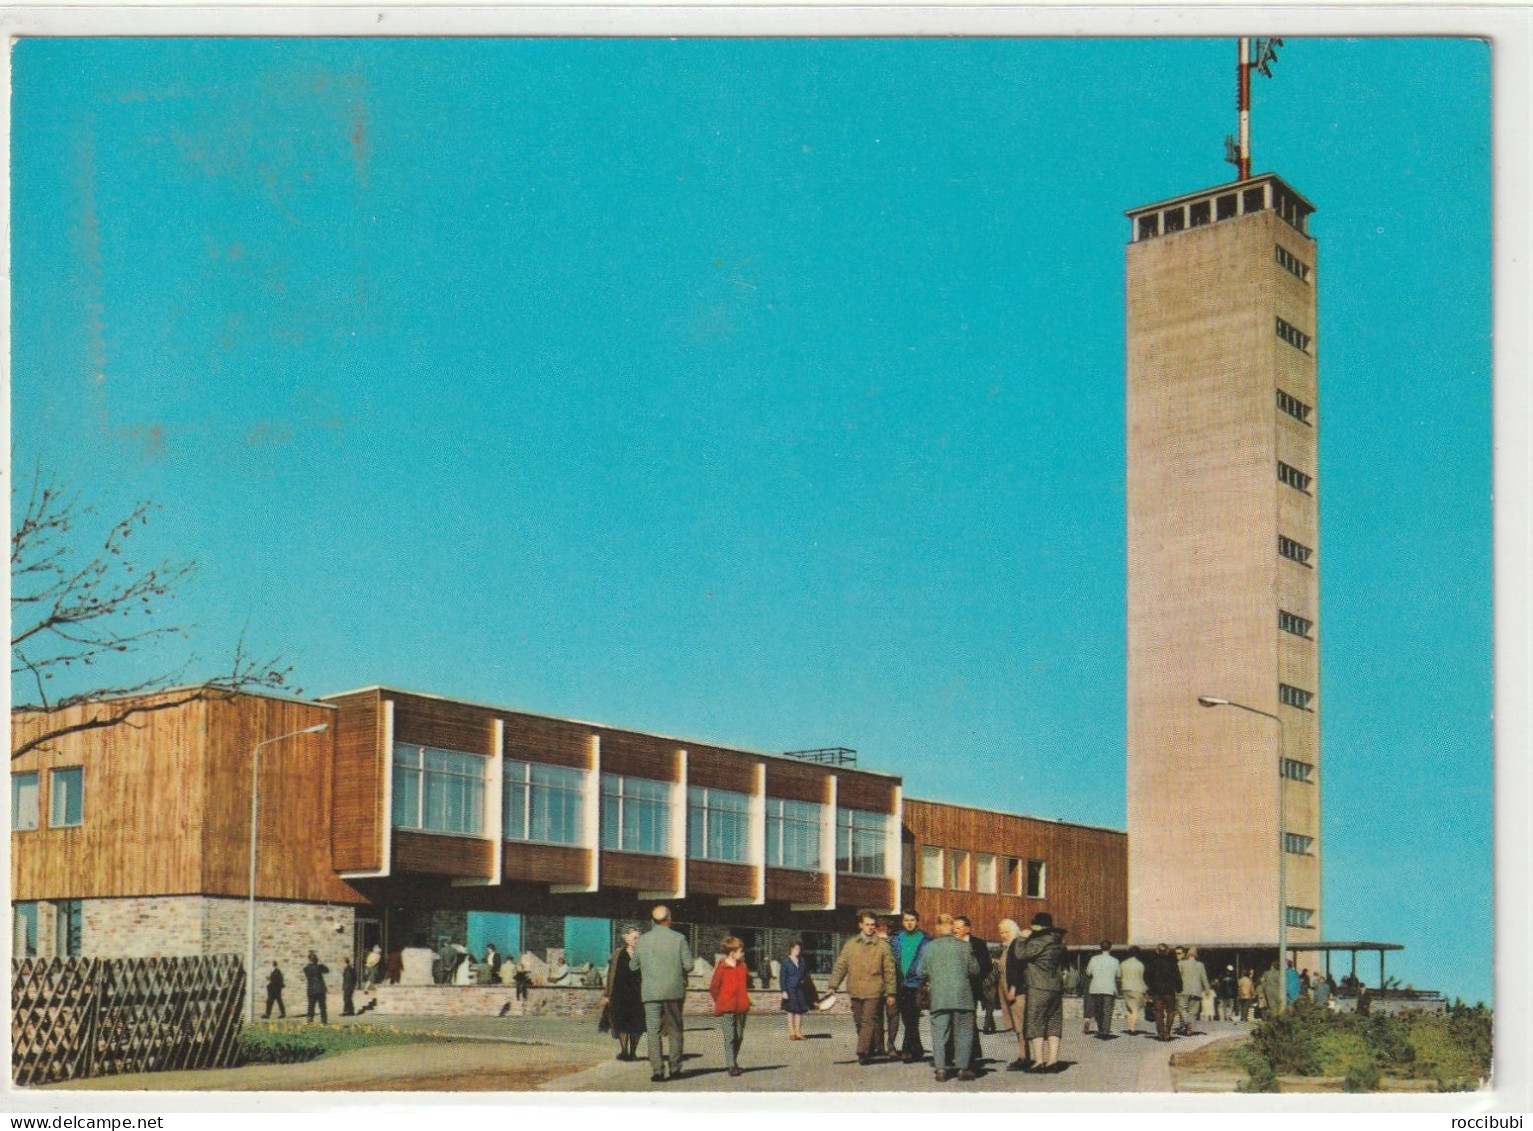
{"points": [[642, 755], [438, 855], [446, 726], [864, 891], [784, 885], [638, 872], [358, 823], [1086, 869], [712, 877], [550, 741], [297, 789], [797, 782], [545, 863], [721, 769], [863, 791], [145, 797]]}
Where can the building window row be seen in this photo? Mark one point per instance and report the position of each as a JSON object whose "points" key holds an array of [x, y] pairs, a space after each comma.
{"points": [[1295, 770], [718, 825], [68, 918], [635, 814], [792, 834], [1298, 845], [1296, 625], [1294, 477], [1299, 916], [1295, 696], [66, 799], [1294, 551], [861, 840], [956, 869], [1292, 264], [544, 804], [1294, 407], [1293, 336], [1197, 213], [438, 790]]}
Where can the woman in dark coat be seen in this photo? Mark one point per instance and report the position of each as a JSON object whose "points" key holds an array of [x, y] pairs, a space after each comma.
{"points": [[796, 990], [623, 1007]]}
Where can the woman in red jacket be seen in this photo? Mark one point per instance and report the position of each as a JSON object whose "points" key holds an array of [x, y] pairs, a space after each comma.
{"points": [[731, 999]]}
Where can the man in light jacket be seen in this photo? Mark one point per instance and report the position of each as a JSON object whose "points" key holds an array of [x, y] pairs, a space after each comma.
{"points": [[866, 965], [1194, 985], [1131, 978], [948, 967], [662, 960], [1102, 988]]}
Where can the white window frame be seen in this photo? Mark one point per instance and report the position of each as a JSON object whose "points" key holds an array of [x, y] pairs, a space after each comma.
{"points": [[780, 818], [986, 873], [849, 824], [612, 831], [57, 812], [473, 785], [704, 818], [520, 774], [25, 812], [1043, 878], [958, 876], [933, 861]]}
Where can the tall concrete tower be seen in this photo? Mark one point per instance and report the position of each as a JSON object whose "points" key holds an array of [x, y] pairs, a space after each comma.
{"points": [[1223, 568]]}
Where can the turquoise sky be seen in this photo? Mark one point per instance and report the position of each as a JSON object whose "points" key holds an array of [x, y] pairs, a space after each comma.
{"points": [[765, 392]]}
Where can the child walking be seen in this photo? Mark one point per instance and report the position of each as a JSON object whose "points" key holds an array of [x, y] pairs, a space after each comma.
{"points": [[731, 1000]]}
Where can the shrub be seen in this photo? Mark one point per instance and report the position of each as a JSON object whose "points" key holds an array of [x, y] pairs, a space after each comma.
{"points": [[1289, 1041], [1259, 1078], [1362, 1078]]}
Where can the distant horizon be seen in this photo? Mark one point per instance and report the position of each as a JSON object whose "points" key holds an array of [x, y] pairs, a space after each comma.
{"points": [[765, 389]]}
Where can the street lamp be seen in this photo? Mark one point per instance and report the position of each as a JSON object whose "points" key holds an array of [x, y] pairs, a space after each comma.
{"points": [[1216, 701], [255, 815]]}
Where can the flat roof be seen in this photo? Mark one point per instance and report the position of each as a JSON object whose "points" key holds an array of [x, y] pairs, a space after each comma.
{"points": [[608, 726], [1292, 945], [1213, 190], [1017, 816]]}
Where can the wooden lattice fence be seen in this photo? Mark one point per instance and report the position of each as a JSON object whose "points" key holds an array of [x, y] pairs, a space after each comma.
{"points": [[74, 1017]]}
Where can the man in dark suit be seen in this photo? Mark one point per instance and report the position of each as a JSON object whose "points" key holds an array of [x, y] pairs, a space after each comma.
{"points": [[314, 980], [274, 983]]}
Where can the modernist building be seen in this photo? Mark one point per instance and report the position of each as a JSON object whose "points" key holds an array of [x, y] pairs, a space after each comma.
{"points": [[1223, 567], [413, 819]]}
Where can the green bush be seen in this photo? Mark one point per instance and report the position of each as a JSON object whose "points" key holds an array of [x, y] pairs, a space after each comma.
{"points": [[1259, 1078], [294, 1042], [1289, 1042], [1362, 1078]]}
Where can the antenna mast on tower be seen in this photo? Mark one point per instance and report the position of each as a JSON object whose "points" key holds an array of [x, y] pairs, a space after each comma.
{"points": [[1238, 151]]}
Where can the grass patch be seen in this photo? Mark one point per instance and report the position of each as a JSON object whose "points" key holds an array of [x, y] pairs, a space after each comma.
{"points": [[292, 1042]]}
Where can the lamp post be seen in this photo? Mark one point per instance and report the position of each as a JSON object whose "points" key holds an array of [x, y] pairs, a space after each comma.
{"points": [[255, 816], [1216, 701]]}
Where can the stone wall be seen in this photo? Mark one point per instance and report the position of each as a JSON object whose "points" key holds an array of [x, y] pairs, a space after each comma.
{"points": [[166, 926], [285, 933], [542, 1001]]}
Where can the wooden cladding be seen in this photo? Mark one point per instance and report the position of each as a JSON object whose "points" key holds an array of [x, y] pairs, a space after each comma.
{"points": [[549, 741], [784, 885], [871, 892], [721, 769], [446, 726], [864, 791], [358, 822], [797, 782], [713, 877], [439, 855], [638, 872], [642, 755], [545, 863], [1086, 869]]}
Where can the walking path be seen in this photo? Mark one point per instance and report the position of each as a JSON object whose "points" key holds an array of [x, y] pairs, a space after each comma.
{"points": [[568, 1054]]}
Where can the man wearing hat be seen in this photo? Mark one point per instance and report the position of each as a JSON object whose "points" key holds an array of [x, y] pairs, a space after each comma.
{"points": [[1043, 960]]}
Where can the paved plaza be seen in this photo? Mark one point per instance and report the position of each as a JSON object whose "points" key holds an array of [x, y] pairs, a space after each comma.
{"points": [[568, 1054]]}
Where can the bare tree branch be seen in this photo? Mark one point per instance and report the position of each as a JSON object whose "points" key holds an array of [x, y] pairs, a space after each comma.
{"points": [[66, 616]]}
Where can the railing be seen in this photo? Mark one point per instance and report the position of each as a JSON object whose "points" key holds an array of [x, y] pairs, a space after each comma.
{"points": [[831, 755], [77, 1017]]}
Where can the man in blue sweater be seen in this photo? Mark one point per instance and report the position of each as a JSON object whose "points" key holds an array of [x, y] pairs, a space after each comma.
{"points": [[908, 944]]}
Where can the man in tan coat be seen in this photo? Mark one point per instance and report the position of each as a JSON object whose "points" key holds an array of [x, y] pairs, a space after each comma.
{"points": [[866, 965]]}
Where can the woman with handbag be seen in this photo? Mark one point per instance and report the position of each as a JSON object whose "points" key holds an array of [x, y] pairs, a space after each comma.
{"points": [[798, 992], [623, 1007]]}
